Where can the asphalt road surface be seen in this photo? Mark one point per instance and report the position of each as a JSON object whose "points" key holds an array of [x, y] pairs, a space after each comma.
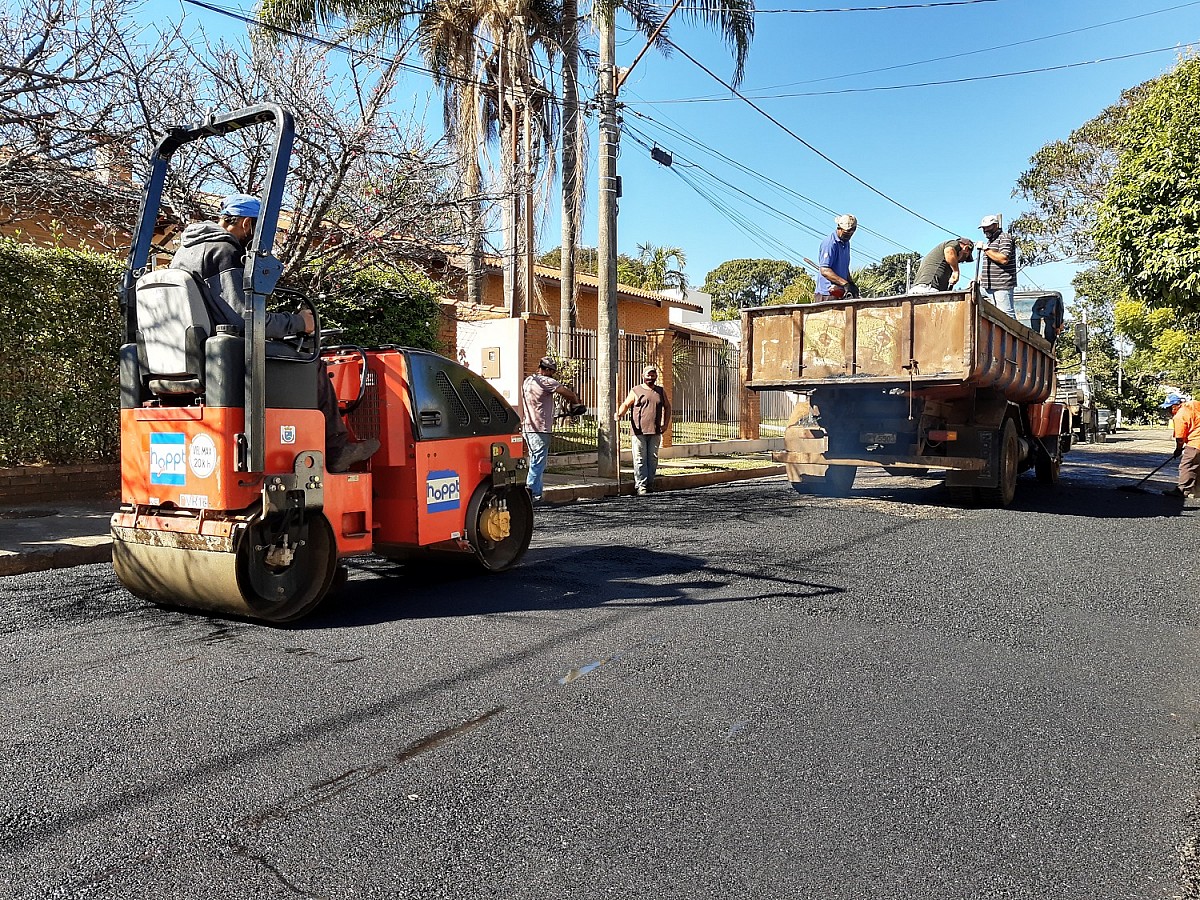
{"points": [[725, 692]]}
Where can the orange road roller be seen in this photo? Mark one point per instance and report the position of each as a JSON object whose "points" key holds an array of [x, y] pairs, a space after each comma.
{"points": [[228, 504]]}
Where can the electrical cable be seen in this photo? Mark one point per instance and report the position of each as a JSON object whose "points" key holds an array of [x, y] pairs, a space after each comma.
{"points": [[845, 9], [762, 112], [1009, 46], [922, 84], [719, 184], [781, 189], [341, 48]]}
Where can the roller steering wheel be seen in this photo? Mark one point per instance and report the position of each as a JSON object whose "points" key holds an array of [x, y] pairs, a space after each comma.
{"points": [[307, 345]]}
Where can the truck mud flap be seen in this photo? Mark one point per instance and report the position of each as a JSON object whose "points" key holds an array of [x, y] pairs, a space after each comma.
{"points": [[987, 444]]}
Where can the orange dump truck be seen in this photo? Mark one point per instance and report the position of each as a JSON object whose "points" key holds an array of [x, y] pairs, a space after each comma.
{"points": [[912, 383]]}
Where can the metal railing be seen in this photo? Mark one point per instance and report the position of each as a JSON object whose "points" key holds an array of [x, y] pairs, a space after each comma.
{"points": [[578, 368]]}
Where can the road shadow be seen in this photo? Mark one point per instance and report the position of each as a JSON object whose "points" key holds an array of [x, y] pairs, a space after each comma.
{"points": [[1079, 497], [549, 580]]}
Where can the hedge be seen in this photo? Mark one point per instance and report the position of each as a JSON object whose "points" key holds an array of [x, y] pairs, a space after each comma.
{"points": [[60, 329]]}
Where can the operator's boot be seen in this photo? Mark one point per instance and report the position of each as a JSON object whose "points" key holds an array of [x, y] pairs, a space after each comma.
{"points": [[352, 454]]}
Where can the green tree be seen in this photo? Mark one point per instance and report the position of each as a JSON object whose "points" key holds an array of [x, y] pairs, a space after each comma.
{"points": [[889, 276], [799, 290], [1149, 223], [376, 307], [1066, 183], [739, 283], [585, 259], [630, 271]]}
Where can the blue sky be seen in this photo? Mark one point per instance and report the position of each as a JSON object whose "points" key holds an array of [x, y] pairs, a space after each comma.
{"points": [[950, 150]]}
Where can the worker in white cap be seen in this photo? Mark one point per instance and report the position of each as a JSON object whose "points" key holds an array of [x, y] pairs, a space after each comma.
{"points": [[998, 254], [833, 280]]}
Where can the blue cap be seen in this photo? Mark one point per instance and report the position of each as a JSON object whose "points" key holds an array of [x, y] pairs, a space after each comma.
{"points": [[240, 205], [1173, 399]]}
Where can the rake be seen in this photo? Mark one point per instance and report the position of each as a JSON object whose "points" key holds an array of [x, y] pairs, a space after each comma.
{"points": [[1137, 488]]}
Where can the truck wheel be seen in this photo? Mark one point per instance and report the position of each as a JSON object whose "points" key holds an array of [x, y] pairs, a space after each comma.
{"points": [[1010, 447]]}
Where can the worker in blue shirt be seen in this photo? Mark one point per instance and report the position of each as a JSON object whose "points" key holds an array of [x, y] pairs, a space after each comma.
{"points": [[833, 280]]}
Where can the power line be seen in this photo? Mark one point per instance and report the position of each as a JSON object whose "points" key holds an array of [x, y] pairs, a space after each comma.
{"points": [[333, 45], [898, 87], [846, 9], [678, 159], [781, 188], [1008, 46], [762, 112]]}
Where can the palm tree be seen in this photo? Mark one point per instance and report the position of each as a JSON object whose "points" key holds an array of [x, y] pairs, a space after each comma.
{"points": [[486, 58], [735, 20], [447, 34], [660, 275]]}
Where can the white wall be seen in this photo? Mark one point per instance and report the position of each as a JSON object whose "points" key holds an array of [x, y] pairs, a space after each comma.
{"points": [[686, 316], [502, 336]]}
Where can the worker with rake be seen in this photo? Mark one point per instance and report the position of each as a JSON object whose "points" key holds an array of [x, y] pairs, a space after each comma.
{"points": [[1185, 419]]}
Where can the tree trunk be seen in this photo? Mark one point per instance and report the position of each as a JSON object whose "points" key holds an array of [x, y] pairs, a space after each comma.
{"points": [[572, 185]]}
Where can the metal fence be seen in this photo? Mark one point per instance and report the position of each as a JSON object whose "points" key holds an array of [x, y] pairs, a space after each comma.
{"points": [[706, 398], [578, 368], [774, 409]]}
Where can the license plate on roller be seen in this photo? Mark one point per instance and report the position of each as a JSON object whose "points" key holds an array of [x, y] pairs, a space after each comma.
{"points": [[882, 437]]}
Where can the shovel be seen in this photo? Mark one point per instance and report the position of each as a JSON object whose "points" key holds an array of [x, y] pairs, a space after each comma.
{"points": [[1137, 488]]}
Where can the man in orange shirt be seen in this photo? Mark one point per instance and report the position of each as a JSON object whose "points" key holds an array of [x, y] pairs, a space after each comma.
{"points": [[1185, 419]]}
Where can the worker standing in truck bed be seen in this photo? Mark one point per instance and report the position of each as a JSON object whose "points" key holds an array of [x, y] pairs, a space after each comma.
{"points": [[998, 278]]}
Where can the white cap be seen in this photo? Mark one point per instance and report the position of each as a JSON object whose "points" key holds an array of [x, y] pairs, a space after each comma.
{"points": [[990, 220], [846, 222]]}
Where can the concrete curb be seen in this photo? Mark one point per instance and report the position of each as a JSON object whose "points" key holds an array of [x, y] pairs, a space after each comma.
{"points": [[663, 483], [60, 557], [77, 544]]}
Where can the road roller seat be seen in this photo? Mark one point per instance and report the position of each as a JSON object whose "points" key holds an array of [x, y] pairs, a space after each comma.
{"points": [[173, 324]]}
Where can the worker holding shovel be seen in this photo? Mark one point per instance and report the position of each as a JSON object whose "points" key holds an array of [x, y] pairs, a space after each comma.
{"points": [[1185, 419]]}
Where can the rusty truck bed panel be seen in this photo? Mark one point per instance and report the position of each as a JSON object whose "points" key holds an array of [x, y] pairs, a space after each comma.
{"points": [[939, 344]]}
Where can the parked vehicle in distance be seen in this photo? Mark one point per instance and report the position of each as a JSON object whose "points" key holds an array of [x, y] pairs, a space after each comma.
{"points": [[1106, 421]]}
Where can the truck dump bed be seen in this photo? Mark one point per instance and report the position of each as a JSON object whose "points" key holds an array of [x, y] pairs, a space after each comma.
{"points": [[936, 345]]}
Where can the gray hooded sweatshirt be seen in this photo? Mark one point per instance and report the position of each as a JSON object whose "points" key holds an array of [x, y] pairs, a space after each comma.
{"points": [[217, 258]]}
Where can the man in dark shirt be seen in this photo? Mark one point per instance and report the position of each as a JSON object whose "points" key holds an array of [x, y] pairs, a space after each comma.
{"points": [[215, 253], [939, 269], [650, 418]]}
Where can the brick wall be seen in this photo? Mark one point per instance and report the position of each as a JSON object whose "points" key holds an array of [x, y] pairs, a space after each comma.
{"points": [[59, 484]]}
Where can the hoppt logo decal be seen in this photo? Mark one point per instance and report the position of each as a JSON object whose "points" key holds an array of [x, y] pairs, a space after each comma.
{"points": [[441, 491], [167, 464], [202, 456]]}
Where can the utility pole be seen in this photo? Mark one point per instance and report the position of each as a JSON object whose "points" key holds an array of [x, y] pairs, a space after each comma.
{"points": [[607, 446], [607, 435]]}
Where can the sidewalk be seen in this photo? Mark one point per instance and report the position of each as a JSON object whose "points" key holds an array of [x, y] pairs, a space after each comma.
{"points": [[36, 538]]}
